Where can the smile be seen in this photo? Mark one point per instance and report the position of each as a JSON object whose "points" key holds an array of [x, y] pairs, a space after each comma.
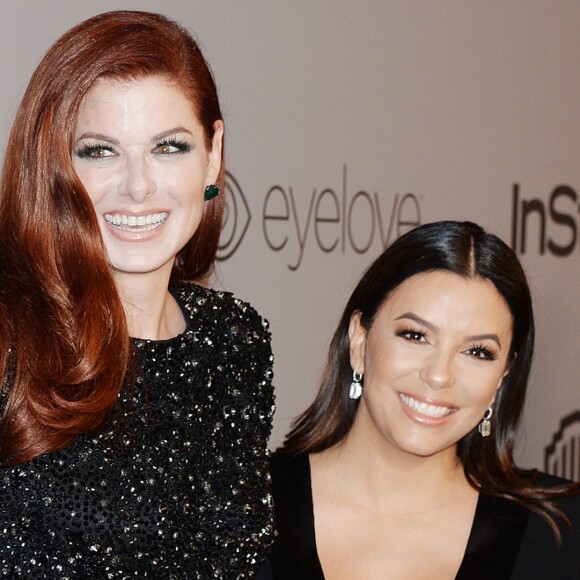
{"points": [[142, 223], [434, 411]]}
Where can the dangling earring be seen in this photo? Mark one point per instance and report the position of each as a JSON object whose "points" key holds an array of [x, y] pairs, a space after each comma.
{"points": [[484, 427], [210, 192], [355, 387]]}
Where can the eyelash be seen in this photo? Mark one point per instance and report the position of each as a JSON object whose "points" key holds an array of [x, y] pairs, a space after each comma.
{"points": [[181, 145], [90, 150], [411, 334], [477, 351]]}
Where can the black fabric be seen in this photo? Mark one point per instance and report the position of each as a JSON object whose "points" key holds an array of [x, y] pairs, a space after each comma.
{"points": [[506, 542], [494, 540], [540, 556], [177, 484], [294, 553]]}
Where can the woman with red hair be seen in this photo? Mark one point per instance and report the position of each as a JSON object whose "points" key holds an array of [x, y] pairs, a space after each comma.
{"points": [[136, 402]]}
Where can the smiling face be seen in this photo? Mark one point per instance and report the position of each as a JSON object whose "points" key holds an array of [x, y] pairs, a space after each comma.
{"points": [[432, 360], [140, 153]]}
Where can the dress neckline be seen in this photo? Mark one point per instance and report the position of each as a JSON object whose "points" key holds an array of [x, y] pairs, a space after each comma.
{"points": [[494, 539], [176, 292]]}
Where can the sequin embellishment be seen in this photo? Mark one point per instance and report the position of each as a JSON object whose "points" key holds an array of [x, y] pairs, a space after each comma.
{"points": [[177, 485]]}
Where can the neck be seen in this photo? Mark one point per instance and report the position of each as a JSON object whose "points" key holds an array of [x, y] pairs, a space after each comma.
{"points": [[392, 478], [151, 311]]}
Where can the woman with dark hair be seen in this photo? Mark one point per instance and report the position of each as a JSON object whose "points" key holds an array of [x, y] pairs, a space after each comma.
{"points": [[136, 403], [403, 465]]}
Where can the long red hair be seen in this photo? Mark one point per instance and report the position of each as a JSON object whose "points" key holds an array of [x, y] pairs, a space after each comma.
{"points": [[64, 346]]}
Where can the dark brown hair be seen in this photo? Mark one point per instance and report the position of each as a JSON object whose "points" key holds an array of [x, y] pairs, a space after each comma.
{"points": [[467, 250], [64, 347]]}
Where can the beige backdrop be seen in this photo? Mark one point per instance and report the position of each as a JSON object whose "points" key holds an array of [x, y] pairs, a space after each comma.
{"points": [[350, 121]]}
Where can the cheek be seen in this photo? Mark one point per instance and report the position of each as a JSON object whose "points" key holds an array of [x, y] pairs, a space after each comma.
{"points": [[96, 184], [389, 360], [483, 388], [382, 377], [183, 183]]}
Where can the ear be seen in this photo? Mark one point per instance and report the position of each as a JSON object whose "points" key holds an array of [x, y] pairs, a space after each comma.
{"points": [[499, 384], [505, 373], [357, 335], [215, 155]]}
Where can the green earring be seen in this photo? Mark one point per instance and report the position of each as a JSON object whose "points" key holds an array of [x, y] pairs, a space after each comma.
{"points": [[210, 192]]}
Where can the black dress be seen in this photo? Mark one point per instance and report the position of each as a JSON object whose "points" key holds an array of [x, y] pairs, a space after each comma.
{"points": [[506, 540], [177, 484]]}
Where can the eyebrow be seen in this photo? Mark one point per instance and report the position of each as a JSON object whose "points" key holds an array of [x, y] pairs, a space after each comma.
{"points": [[433, 328], [164, 134], [113, 141], [98, 137]]}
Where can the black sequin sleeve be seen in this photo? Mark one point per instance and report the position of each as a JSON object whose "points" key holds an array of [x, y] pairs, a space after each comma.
{"points": [[238, 438]]}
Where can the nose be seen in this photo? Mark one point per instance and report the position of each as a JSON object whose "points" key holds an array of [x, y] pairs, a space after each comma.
{"points": [[438, 371], [137, 181]]}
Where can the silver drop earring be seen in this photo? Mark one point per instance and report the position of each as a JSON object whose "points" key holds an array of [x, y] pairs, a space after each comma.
{"points": [[484, 427], [355, 387]]}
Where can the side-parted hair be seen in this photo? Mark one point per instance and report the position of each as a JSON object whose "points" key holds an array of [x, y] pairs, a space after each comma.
{"points": [[465, 249], [64, 345]]}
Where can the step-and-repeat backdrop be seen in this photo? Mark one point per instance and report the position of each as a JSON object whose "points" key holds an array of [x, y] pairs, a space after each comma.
{"points": [[349, 122]]}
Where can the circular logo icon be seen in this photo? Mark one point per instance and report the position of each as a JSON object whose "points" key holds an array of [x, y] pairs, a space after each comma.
{"points": [[236, 219]]}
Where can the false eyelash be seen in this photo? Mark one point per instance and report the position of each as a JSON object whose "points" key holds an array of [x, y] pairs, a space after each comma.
{"points": [[180, 144], [87, 150], [487, 352], [403, 331]]}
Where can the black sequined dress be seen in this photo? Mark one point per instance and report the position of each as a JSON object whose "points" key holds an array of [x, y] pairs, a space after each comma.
{"points": [[176, 485]]}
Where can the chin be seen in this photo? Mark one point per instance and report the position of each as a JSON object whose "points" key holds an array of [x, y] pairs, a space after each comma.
{"points": [[427, 448], [138, 267], [144, 263]]}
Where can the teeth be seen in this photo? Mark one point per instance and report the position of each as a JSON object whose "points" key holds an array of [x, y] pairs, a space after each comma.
{"points": [[423, 408], [143, 222]]}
